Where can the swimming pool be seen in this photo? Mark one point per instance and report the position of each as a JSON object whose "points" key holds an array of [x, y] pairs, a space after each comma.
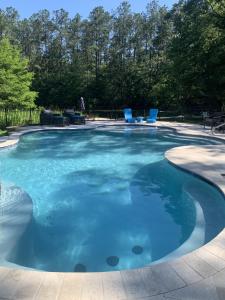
{"points": [[106, 199]]}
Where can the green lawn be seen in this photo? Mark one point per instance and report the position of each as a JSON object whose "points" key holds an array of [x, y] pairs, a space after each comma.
{"points": [[3, 132]]}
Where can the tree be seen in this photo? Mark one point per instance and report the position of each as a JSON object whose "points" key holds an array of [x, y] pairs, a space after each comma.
{"points": [[196, 56], [218, 7], [169, 58], [8, 23], [15, 79]]}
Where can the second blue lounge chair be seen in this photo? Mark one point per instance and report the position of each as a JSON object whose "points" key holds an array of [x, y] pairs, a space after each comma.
{"points": [[128, 115], [153, 113]]}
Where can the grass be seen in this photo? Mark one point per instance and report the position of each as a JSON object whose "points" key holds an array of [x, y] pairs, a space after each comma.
{"points": [[3, 132]]}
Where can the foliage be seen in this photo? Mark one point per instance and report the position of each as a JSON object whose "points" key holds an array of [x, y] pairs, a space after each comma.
{"points": [[15, 80], [173, 59], [3, 132], [197, 54], [18, 117]]}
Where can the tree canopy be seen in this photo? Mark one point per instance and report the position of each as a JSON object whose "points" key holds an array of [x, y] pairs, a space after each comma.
{"points": [[174, 59], [15, 79]]}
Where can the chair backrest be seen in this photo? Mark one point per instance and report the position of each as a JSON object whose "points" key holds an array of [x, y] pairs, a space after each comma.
{"points": [[153, 113], [205, 114], [127, 113], [218, 114], [47, 111], [69, 111]]}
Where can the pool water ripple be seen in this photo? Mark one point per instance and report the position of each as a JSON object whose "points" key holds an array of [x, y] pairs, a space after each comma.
{"points": [[106, 199]]}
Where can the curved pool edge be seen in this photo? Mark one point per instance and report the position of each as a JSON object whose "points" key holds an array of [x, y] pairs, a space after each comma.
{"points": [[16, 210], [196, 275]]}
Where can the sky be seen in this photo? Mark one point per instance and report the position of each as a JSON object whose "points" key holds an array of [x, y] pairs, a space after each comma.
{"points": [[27, 7]]}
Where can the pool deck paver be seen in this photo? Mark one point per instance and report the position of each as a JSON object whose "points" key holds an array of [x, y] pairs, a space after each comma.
{"points": [[211, 259], [203, 290], [197, 275], [199, 265], [188, 274], [70, 288], [113, 288]]}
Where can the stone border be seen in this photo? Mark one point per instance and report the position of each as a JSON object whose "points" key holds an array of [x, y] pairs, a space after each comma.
{"points": [[197, 275], [16, 210]]}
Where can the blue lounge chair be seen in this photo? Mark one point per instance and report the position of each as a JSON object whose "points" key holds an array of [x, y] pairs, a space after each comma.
{"points": [[153, 113], [128, 115]]}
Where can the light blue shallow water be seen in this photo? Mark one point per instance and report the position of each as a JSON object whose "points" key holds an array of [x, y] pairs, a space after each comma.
{"points": [[108, 196]]}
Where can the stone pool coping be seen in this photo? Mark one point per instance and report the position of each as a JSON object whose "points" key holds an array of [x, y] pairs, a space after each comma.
{"points": [[197, 275]]}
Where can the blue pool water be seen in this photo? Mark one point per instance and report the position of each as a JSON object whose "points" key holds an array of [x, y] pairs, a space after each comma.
{"points": [[106, 199]]}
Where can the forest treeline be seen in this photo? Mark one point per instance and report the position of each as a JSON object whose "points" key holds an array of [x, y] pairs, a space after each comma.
{"points": [[173, 59]]}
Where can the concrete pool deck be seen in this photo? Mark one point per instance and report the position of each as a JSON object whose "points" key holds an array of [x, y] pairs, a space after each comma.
{"points": [[197, 275]]}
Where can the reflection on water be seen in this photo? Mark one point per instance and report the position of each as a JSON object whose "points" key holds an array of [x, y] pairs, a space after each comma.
{"points": [[107, 200]]}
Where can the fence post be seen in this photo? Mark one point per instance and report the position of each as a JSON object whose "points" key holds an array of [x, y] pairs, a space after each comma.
{"points": [[6, 117], [30, 117]]}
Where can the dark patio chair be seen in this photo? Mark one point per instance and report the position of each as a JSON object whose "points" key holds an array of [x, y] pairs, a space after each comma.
{"points": [[47, 117], [214, 119], [74, 117], [219, 127]]}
